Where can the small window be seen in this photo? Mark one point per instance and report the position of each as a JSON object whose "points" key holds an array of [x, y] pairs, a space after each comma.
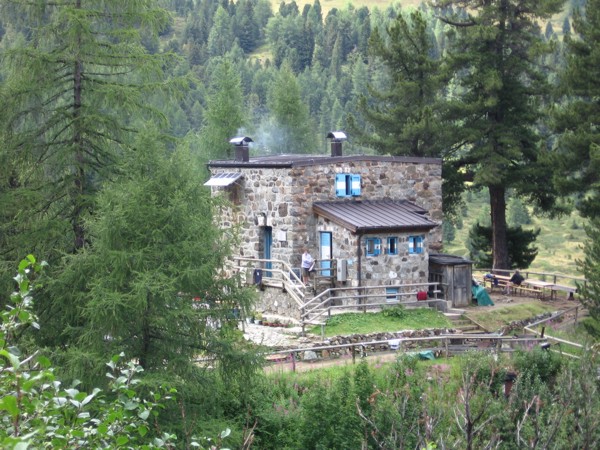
{"points": [[347, 185], [392, 245], [391, 294], [415, 244], [373, 246]]}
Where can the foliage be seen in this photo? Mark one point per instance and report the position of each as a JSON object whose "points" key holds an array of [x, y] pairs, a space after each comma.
{"points": [[404, 115], [225, 113], [37, 410], [521, 253], [577, 119], [517, 213], [499, 89], [590, 266]]}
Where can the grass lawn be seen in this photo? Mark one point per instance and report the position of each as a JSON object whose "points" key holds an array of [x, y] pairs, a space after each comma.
{"points": [[391, 319], [493, 319]]}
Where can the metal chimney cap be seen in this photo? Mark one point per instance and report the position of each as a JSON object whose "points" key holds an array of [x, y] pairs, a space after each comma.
{"points": [[337, 135], [240, 140]]}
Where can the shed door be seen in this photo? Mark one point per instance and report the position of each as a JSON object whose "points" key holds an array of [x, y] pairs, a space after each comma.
{"points": [[325, 253], [462, 286]]}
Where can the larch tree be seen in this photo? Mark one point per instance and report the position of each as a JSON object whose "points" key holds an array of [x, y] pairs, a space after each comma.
{"points": [[403, 116], [497, 103], [152, 286], [292, 128], [76, 81], [225, 112]]}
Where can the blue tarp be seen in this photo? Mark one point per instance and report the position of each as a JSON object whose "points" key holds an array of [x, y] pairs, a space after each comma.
{"points": [[482, 296]]}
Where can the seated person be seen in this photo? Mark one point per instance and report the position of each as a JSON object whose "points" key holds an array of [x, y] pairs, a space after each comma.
{"points": [[515, 280]]}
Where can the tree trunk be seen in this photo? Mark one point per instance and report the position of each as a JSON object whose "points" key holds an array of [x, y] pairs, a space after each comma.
{"points": [[79, 157], [498, 216]]}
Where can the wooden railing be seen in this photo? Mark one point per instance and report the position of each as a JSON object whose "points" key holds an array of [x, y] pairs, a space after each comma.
{"points": [[573, 347], [274, 273], [360, 298], [446, 344]]}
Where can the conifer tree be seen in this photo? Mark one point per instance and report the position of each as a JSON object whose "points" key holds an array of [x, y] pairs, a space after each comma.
{"points": [[225, 111], [497, 103], [76, 80], [150, 284], [403, 116], [577, 156], [293, 131]]}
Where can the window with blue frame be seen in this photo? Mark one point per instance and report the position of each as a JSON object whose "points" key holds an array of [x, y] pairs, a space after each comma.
{"points": [[373, 246], [415, 244], [391, 294], [347, 185], [392, 245]]}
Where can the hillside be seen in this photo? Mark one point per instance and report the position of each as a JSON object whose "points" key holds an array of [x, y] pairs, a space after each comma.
{"points": [[559, 243]]}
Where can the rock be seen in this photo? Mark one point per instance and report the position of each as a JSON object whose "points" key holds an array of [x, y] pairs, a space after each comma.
{"points": [[309, 355]]}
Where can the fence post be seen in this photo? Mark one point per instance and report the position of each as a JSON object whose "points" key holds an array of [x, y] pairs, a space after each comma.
{"points": [[446, 339], [576, 314], [293, 361], [353, 355]]}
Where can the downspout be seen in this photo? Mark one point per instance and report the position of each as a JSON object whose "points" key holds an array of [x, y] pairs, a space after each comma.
{"points": [[359, 266]]}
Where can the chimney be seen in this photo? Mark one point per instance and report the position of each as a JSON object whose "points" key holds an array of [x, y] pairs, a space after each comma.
{"points": [[242, 152], [336, 142]]}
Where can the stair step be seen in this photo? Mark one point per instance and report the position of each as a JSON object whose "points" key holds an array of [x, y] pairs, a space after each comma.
{"points": [[466, 328]]}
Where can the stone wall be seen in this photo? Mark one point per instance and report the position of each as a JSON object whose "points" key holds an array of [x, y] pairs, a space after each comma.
{"points": [[281, 198], [384, 338], [276, 301], [383, 269]]}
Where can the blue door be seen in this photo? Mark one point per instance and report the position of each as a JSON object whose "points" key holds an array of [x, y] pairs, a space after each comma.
{"points": [[268, 241], [325, 253]]}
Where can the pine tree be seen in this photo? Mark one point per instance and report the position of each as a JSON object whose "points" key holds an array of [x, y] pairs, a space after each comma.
{"points": [[577, 156], [221, 37], [497, 104]]}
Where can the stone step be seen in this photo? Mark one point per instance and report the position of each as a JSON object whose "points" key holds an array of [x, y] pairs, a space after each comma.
{"points": [[467, 328]]}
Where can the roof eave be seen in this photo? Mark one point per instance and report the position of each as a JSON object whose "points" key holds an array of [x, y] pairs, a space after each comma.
{"points": [[404, 229]]}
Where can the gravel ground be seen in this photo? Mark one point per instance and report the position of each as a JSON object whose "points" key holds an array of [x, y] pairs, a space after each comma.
{"points": [[278, 337]]}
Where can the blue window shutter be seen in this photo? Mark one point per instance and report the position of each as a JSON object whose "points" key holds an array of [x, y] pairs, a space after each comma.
{"points": [[419, 244], [355, 183], [340, 185], [411, 244], [377, 246]]}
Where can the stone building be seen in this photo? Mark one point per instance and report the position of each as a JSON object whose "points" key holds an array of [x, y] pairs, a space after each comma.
{"points": [[370, 219]]}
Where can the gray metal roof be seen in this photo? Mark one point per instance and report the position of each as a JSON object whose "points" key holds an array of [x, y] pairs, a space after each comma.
{"points": [[283, 161], [375, 215], [223, 179], [448, 260]]}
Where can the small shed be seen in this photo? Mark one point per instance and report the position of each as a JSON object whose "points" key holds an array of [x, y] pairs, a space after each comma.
{"points": [[454, 274]]}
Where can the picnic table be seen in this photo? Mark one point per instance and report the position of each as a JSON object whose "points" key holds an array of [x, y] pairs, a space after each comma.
{"points": [[570, 290], [539, 286], [496, 281]]}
